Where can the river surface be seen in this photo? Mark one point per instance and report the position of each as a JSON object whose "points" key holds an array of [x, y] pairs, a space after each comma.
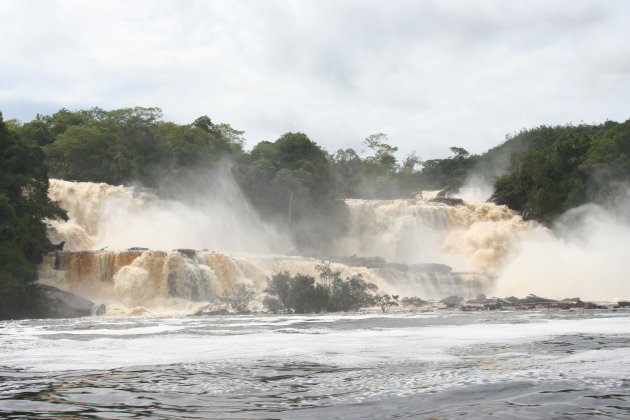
{"points": [[530, 364]]}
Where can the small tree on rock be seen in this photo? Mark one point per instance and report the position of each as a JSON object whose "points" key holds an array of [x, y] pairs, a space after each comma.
{"points": [[239, 297]]}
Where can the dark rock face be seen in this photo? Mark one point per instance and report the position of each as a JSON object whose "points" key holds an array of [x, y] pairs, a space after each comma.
{"points": [[190, 253], [60, 304], [448, 201], [452, 301], [623, 304]]}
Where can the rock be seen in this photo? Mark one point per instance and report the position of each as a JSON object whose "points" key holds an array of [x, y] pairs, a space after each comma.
{"points": [[492, 306], [533, 299], [190, 253], [207, 311], [448, 201], [481, 298], [59, 303], [452, 301], [55, 247], [137, 249], [414, 301], [623, 304], [591, 305], [100, 309]]}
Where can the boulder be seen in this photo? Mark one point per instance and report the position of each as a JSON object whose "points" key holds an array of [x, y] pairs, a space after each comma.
{"points": [[59, 303], [452, 301]]}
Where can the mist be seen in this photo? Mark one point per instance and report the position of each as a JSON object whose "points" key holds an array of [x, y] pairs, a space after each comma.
{"points": [[207, 211], [476, 189], [585, 255]]}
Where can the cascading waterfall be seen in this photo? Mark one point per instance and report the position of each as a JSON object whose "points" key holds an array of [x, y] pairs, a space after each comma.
{"points": [[233, 246], [470, 236]]}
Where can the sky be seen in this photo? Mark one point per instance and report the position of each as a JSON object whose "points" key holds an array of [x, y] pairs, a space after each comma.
{"points": [[429, 74]]}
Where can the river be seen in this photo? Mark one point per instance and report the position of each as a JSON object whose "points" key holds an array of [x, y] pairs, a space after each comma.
{"points": [[501, 364]]}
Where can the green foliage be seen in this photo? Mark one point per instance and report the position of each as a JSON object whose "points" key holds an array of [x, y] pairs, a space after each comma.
{"points": [[239, 297], [298, 294], [351, 294], [386, 301], [590, 163], [291, 181], [297, 185], [301, 294], [129, 144], [378, 175], [506, 156], [24, 206]]}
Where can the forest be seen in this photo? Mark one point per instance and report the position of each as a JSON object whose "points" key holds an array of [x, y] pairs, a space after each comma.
{"points": [[540, 172]]}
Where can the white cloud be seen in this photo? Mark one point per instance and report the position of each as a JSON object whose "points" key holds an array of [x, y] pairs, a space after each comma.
{"points": [[431, 74]]}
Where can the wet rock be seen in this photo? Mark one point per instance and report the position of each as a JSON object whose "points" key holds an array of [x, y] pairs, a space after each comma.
{"points": [[137, 249], [494, 306], [59, 303], [623, 304], [591, 305], [56, 247], [190, 253], [480, 299], [100, 309], [452, 301], [448, 201], [206, 311], [535, 300], [414, 301]]}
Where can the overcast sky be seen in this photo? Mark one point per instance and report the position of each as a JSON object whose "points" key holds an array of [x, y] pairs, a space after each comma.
{"points": [[430, 74]]}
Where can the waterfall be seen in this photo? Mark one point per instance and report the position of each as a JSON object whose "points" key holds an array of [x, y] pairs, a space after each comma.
{"points": [[470, 236], [227, 244]]}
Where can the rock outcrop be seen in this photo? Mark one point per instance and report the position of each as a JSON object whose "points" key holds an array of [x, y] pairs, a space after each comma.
{"points": [[56, 303]]}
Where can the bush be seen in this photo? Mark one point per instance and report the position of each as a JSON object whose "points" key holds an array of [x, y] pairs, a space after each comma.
{"points": [[239, 297], [301, 294]]}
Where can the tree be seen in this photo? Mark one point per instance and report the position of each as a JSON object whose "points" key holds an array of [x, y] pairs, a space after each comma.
{"points": [[279, 288], [386, 301], [351, 294], [24, 207], [291, 181], [460, 153], [301, 294], [383, 152], [239, 297], [326, 273]]}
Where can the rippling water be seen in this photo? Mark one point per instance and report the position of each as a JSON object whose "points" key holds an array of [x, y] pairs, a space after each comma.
{"points": [[534, 364]]}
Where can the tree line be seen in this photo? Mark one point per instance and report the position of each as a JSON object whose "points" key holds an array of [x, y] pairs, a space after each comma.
{"points": [[291, 181]]}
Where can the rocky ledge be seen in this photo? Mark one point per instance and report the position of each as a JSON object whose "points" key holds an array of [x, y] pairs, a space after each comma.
{"points": [[481, 302]]}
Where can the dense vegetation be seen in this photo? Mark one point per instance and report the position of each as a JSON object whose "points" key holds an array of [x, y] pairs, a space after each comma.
{"points": [[566, 167], [302, 294], [292, 181], [24, 204]]}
